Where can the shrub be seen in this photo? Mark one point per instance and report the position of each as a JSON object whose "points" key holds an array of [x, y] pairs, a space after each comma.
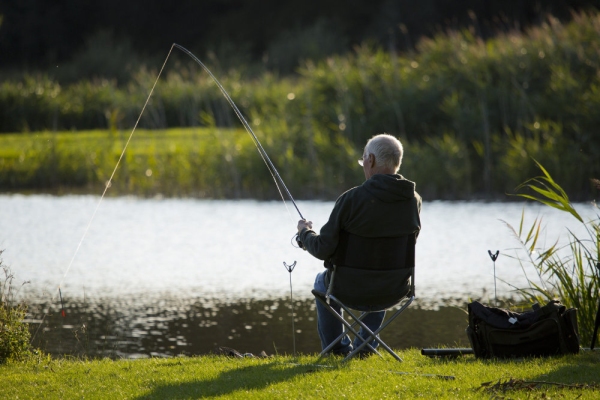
{"points": [[14, 332]]}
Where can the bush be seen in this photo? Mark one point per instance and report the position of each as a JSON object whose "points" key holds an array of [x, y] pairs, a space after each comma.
{"points": [[14, 333]]}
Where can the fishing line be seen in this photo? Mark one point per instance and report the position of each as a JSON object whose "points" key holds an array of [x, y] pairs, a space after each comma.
{"points": [[106, 187], [272, 170], [274, 173]]}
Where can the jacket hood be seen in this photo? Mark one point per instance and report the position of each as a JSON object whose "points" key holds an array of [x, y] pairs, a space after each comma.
{"points": [[390, 188]]}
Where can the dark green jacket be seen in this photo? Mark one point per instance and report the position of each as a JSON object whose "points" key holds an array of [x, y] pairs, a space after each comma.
{"points": [[383, 206]]}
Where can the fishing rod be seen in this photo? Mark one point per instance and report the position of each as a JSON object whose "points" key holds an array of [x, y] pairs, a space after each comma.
{"points": [[106, 187], [261, 150], [273, 171]]}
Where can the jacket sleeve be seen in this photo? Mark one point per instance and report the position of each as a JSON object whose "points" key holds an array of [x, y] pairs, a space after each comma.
{"points": [[324, 244]]}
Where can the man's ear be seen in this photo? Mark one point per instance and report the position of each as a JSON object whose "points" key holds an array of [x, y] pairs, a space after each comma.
{"points": [[372, 160]]}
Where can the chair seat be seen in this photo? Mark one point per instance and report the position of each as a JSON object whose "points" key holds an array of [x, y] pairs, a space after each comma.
{"points": [[371, 290]]}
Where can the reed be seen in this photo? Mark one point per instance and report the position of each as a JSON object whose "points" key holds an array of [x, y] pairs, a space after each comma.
{"points": [[570, 273]]}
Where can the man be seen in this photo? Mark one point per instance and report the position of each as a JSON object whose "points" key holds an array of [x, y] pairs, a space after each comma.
{"points": [[385, 205]]}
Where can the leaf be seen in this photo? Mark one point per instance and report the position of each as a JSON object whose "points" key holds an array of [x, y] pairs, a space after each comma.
{"points": [[551, 193]]}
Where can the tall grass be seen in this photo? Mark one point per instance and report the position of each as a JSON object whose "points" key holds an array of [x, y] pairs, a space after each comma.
{"points": [[570, 273]]}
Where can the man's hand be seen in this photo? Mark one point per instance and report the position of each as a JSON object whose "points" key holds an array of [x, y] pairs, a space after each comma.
{"points": [[304, 224]]}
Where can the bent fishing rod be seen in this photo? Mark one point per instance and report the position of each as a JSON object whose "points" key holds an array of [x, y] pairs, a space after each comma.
{"points": [[272, 170], [261, 150]]}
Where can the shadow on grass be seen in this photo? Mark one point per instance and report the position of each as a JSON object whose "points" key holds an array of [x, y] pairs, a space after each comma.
{"points": [[580, 374], [583, 368], [246, 378]]}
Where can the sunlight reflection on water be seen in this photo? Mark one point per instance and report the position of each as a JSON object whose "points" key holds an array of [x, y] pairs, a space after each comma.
{"points": [[233, 249]]}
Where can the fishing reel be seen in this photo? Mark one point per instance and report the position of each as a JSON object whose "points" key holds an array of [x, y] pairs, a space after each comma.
{"points": [[298, 241]]}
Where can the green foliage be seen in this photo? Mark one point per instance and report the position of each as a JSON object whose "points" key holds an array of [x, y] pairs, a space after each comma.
{"points": [[103, 55], [440, 166], [487, 107], [30, 104], [14, 333], [200, 162], [570, 273], [315, 42]]}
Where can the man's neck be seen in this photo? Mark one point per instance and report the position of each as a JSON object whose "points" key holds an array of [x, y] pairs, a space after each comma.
{"points": [[382, 170]]}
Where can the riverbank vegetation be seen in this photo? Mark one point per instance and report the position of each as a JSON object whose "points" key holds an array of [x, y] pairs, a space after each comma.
{"points": [[14, 331], [570, 273], [471, 112], [198, 162], [305, 377]]}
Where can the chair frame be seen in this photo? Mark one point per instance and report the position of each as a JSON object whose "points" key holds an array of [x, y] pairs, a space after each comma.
{"points": [[327, 298]]}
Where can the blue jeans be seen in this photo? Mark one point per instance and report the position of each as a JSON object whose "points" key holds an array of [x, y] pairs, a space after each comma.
{"points": [[330, 328]]}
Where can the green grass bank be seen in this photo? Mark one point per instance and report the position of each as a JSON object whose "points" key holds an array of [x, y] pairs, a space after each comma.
{"points": [[197, 162], [305, 377], [212, 162]]}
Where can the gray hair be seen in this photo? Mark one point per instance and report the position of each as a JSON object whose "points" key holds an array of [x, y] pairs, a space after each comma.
{"points": [[387, 150]]}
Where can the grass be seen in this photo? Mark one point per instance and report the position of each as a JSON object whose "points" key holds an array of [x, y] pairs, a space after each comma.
{"points": [[211, 162], [198, 162], [304, 377]]}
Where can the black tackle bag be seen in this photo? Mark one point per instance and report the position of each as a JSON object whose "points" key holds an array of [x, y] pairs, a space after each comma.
{"points": [[544, 331]]}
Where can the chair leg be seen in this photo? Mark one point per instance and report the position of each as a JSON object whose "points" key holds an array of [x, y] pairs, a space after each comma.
{"points": [[373, 335], [345, 323]]}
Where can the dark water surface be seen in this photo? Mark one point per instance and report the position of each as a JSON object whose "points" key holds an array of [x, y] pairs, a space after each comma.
{"points": [[126, 328]]}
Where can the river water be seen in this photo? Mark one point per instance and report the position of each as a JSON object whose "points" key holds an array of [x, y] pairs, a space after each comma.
{"points": [[156, 264]]}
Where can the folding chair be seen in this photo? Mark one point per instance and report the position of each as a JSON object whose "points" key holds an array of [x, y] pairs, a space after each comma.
{"points": [[369, 275]]}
